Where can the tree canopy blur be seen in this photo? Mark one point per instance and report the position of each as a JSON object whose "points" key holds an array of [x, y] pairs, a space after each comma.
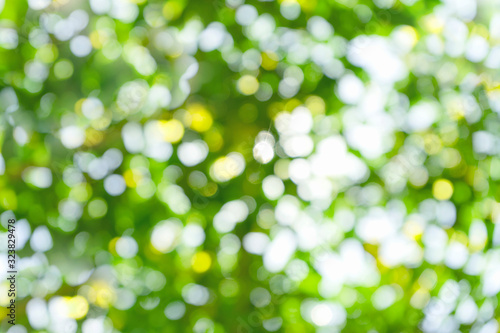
{"points": [[261, 166]]}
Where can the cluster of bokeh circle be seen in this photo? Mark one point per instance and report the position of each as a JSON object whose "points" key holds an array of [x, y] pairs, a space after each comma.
{"points": [[288, 165]]}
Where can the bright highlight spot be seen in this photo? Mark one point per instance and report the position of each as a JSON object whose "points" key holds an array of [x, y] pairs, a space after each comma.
{"points": [[442, 189], [248, 85], [172, 130], [201, 262]]}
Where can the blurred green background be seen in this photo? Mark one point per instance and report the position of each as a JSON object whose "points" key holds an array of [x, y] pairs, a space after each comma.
{"points": [[259, 166]]}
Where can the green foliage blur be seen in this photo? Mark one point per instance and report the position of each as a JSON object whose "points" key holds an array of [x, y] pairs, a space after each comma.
{"points": [[251, 166]]}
